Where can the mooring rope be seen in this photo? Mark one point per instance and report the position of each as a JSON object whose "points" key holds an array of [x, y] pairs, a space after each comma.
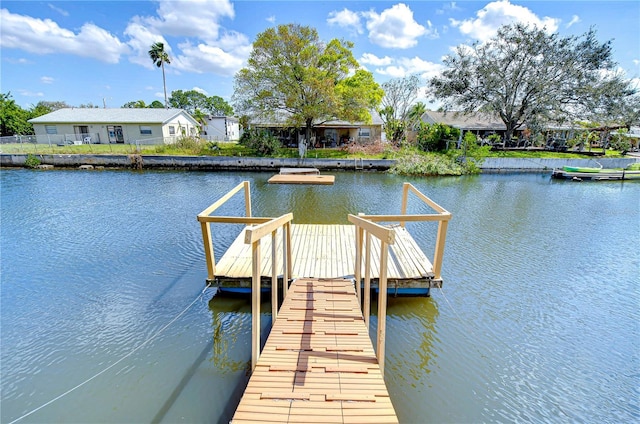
{"points": [[450, 305], [140, 346]]}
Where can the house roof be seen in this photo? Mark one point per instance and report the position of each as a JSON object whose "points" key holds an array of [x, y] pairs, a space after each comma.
{"points": [[114, 115], [477, 121]]}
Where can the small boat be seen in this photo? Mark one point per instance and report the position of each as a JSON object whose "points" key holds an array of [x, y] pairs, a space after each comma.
{"points": [[632, 172]]}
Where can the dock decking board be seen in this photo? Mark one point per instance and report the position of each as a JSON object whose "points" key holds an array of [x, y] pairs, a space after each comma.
{"points": [[318, 364], [327, 251]]}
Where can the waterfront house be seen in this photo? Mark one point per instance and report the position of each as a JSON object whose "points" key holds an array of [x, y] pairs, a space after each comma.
{"points": [[114, 125], [329, 133], [221, 128]]}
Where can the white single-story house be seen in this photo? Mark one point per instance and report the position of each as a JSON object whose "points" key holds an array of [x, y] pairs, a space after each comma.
{"points": [[121, 125], [221, 128]]}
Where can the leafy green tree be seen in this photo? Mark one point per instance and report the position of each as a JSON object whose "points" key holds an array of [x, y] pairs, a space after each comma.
{"points": [[217, 106], [291, 74], [159, 57], [189, 100], [192, 100], [435, 137], [47, 107], [399, 96], [13, 118], [525, 74], [138, 104], [156, 104]]}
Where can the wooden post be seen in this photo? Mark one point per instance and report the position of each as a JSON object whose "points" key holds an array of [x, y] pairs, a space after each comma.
{"points": [[285, 260], [358, 270], [405, 201], [367, 280], [382, 305], [274, 278], [255, 304], [247, 198], [289, 259], [208, 250], [439, 250]]}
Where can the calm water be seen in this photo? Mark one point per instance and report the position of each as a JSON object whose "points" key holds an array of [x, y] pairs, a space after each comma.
{"points": [[538, 321]]}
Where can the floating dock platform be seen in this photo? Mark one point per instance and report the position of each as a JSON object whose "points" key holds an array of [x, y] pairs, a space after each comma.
{"points": [[328, 251]]}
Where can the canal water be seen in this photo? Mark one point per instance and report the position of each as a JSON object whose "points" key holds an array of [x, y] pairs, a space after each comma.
{"points": [[103, 318]]}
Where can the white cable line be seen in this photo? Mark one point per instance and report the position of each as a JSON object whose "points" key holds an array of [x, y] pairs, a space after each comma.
{"points": [[156, 334], [450, 305]]}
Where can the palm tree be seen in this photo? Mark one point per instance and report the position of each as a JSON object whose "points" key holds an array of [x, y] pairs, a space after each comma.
{"points": [[159, 57]]}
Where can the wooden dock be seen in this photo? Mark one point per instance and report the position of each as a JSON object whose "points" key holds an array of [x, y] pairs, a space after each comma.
{"points": [[328, 251], [318, 364]]}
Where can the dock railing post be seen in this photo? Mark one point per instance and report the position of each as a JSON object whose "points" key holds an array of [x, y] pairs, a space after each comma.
{"points": [[439, 250], [255, 304], [208, 250], [274, 277], [247, 198], [382, 305], [405, 201], [358, 270], [367, 280]]}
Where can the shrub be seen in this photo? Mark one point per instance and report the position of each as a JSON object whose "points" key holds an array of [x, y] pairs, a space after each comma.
{"points": [[428, 164], [434, 138], [32, 161], [263, 143]]}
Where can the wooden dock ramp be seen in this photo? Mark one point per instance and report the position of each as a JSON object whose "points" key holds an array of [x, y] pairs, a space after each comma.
{"points": [[318, 364]]}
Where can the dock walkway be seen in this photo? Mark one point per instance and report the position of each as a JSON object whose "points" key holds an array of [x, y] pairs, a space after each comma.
{"points": [[318, 364]]}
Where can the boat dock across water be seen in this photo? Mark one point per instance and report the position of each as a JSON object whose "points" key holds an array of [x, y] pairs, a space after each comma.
{"points": [[318, 364]]}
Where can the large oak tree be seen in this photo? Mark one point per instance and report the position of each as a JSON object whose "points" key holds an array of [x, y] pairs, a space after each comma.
{"points": [[292, 75], [526, 75]]}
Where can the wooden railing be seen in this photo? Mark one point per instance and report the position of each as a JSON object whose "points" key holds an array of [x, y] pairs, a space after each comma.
{"points": [[258, 228], [442, 216], [252, 237], [365, 228]]}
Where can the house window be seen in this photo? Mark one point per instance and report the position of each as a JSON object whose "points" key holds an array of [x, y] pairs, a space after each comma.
{"points": [[144, 129], [364, 132], [172, 130], [51, 129]]}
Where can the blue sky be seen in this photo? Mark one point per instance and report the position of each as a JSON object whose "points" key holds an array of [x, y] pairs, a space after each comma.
{"points": [[95, 52]]}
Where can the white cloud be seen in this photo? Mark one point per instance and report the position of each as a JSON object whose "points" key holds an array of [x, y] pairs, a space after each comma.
{"points": [[636, 62], [44, 36], [46, 80], [203, 58], [452, 6], [195, 18], [271, 19], [346, 19], [372, 59], [574, 20], [29, 93], [19, 61], [498, 13], [59, 10], [200, 90], [405, 66], [207, 46], [394, 27]]}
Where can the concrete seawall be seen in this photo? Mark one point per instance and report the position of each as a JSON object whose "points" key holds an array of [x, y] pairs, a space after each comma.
{"points": [[227, 163]]}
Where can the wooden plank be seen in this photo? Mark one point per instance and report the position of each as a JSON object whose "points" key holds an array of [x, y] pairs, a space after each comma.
{"points": [[313, 370]]}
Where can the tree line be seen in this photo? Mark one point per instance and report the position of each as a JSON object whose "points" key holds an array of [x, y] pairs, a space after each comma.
{"points": [[523, 75]]}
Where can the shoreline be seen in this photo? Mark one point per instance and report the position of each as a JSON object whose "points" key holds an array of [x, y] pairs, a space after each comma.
{"points": [[239, 163]]}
